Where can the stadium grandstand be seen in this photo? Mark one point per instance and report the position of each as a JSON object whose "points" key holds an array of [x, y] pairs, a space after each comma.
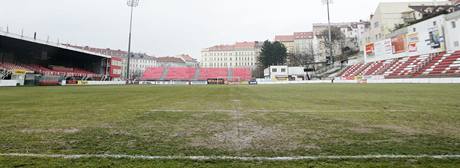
{"points": [[421, 50], [36, 62], [196, 74], [425, 66]]}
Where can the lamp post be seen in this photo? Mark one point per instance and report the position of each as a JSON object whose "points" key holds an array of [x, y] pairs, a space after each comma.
{"points": [[131, 4], [331, 57]]}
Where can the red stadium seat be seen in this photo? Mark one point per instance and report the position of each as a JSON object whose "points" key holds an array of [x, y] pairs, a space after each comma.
{"points": [[153, 73]]}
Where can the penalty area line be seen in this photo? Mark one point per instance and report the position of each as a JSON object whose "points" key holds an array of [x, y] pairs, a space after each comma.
{"points": [[236, 158]]}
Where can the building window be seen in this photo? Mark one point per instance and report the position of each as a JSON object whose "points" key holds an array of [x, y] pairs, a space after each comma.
{"points": [[414, 29], [454, 25], [283, 70], [274, 70], [434, 23]]}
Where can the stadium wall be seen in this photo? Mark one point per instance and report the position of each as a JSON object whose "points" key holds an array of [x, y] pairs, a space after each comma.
{"points": [[6, 83], [370, 81], [423, 38], [106, 83], [453, 31]]}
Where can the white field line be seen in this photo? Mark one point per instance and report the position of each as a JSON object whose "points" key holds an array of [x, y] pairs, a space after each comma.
{"points": [[282, 111], [204, 158]]}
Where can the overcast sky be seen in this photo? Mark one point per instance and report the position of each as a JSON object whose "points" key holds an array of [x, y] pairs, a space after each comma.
{"points": [[171, 27]]}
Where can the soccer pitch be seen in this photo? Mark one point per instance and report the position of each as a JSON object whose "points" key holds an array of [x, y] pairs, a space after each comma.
{"points": [[231, 121]]}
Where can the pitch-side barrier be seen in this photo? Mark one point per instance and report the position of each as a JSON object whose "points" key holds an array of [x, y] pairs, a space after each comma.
{"points": [[370, 81]]}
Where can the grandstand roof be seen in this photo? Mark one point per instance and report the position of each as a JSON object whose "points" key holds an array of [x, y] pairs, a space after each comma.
{"points": [[48, 43]]}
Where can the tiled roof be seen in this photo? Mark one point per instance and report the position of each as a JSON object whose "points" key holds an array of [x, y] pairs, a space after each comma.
{"points": [[303, 35], [284, 38], [187, 58], [238, 45], [170, 59]]}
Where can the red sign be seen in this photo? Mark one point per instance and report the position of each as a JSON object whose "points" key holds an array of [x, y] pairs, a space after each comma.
{"points": [[370, 49], [116, 64]]}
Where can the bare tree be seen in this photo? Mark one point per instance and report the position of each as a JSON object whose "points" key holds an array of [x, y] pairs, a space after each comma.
{"points": [[302, 59], [343, 47]]}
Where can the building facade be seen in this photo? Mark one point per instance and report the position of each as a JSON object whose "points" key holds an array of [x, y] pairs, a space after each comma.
{"points": [[287, 41], [452, 30], [171, 62], [354, 32], [304, 43], [238, 55], [390, 14], [138, 63], [189, 61]]}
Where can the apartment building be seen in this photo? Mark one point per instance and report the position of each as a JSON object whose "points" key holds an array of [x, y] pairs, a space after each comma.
{"points": [[238, 55]]}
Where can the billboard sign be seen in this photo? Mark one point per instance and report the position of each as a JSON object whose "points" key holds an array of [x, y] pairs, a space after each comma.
{"points": [[399, 44], [435, 40], [383, 48], [370, 50], [412, 40]]}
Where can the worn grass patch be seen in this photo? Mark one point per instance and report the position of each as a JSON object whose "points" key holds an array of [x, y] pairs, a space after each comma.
{"points": [[284, 120]]}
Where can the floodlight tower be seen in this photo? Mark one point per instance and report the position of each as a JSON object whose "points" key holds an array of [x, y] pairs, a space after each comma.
{"points": [[331, 57], [132, 4]]}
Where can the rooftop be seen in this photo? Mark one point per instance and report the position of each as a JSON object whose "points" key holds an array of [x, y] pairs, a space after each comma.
{"points": [[303, 35], [168, 59], [236, 46], [284, 38]]}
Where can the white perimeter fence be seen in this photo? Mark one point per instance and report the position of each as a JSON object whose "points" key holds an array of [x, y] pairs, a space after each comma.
{"points": [[371, 81], [5, 83], [8, 83]]}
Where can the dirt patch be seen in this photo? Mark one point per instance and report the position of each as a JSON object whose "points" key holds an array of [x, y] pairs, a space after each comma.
{"points": [[52, 130], [242, 133], [249, 136], [361, 130], [400, 129]]}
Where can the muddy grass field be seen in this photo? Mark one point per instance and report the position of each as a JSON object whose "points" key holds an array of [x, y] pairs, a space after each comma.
{"points": [[246, 121]]}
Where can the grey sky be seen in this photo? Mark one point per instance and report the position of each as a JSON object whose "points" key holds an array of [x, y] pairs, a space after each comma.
{"points": [[171, 27]]}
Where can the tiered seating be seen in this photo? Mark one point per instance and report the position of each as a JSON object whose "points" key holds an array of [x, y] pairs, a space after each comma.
{"points": [[348, 73], [376, 67], [389, 64], [345, 70], [370, 66], [442, 65], [242, 74], [10, 66], [192, 73], [180, 73], [61, 71], [54, 71], [153, 73], [359, 71], [210, 73], [406, 67]]}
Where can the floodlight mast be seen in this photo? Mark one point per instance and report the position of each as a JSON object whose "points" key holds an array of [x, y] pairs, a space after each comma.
{"points": [[132, 4], [331, 57]]}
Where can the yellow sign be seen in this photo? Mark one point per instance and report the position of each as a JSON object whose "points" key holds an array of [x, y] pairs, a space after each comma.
{"points": [[82, 82], [19, 71]]}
